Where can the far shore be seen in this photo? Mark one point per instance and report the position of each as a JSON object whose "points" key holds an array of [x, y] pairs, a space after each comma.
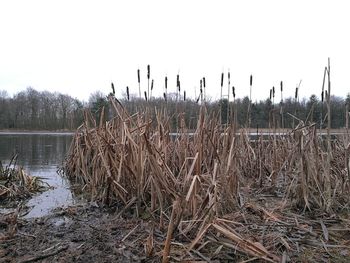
{"points": [[8, 131]]}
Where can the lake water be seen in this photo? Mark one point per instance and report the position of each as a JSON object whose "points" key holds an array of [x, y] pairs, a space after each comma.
{"points": [[40, 154]]}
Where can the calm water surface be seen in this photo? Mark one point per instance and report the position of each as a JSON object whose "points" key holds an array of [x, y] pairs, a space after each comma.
{"points": [[40, 154]]}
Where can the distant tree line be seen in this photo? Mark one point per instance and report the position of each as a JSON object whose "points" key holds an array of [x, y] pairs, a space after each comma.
{"points": [[34, 110]]}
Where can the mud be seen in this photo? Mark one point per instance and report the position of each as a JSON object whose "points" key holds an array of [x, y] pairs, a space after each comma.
{"points": [[75, 234]]}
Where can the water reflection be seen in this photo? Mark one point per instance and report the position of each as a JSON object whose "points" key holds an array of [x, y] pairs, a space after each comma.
{"points": [[40, 155]]}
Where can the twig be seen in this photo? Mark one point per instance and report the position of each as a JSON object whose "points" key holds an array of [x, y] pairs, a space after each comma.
{"points": [[40, 257]]}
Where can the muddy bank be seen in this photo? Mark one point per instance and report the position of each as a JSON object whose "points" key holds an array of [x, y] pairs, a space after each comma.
{"points": [[75, 234], [87, 233]]}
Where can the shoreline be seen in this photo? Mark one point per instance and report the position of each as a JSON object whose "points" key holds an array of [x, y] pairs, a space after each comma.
{"points": [[36, 132]]}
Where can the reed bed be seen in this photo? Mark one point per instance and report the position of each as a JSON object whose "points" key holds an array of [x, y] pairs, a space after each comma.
{"points": [[215, 194], [15, 183]]}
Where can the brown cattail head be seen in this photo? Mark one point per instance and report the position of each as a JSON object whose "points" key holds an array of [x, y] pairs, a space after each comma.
{"points": [[233, 92], [229, 76], [113, 90], [152, 85], [296, 92], [145, 95], [273, 91], [164, 95], [184, 95], [138, 76], [177, 80], [281, 86], [222, 79], [204, 82], [127, 93], [251, 80], [148, 71], [166, 82], [322, 95], [270, 94]]}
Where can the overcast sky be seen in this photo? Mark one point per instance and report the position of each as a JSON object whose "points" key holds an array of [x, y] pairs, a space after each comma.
{"points": [[77, 47]]}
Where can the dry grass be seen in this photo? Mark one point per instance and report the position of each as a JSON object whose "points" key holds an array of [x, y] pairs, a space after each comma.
{"points": [[218, 194]]}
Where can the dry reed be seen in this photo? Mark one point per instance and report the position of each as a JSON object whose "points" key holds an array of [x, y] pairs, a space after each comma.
{"points": [[207, 184]]}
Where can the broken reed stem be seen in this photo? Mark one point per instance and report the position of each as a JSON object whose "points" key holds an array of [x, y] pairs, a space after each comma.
{"points": [[347, 113], [329, 147], [248, 121], [166, 250]]}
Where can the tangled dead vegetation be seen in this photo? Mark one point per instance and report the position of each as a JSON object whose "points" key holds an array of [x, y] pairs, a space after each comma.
{"points": [[16, 184], [216, 194]]}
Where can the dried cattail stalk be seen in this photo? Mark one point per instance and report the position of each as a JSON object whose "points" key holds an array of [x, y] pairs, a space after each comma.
{"points": [[148, 76], [324, 79]]}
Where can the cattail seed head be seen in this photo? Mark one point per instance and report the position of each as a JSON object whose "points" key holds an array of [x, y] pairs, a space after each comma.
{"points": [[138, 76], [113, 90], [184, 95], [166, 82], [164, 95], [281, 86], [273, 91], [204, 82], [127, 93], [233, 92], [222, 79], [322, 95], [152, 85], [296, 92], [145, 95], [251, 80], [148, 71]]}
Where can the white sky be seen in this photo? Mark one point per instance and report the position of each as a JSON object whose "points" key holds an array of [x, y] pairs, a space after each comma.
{"points": [[77, 47]]}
